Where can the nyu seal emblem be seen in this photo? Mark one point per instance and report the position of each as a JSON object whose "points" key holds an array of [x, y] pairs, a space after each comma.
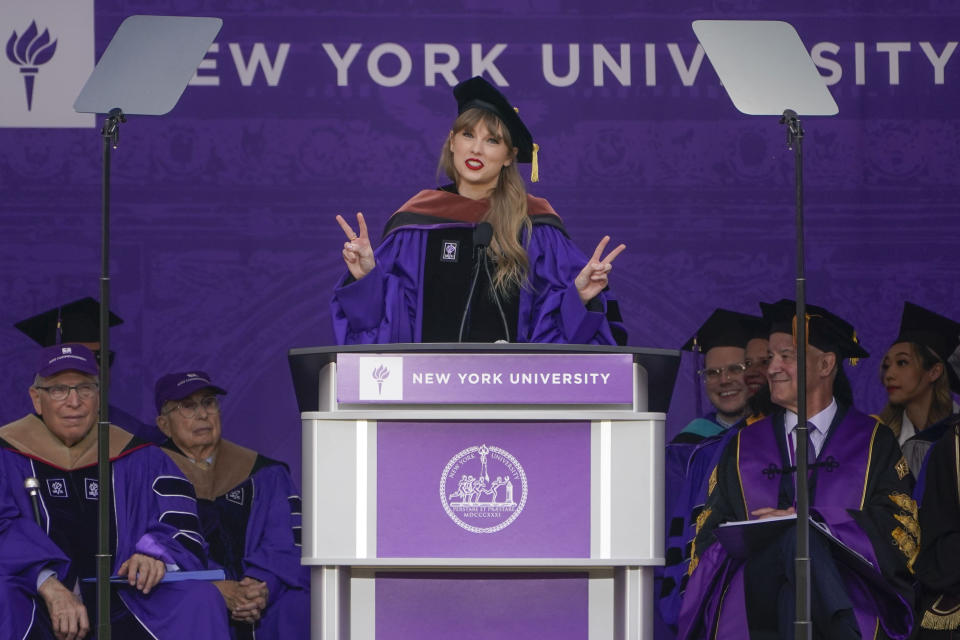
{"points": [[450, 250], [92, 488], [483, 489]]}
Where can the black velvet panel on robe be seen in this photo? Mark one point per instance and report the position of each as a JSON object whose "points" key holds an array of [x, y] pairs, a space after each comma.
{"points": [[449, 269]]}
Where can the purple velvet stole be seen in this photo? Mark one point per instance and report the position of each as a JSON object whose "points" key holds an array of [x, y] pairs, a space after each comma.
{"points": [[837, 482], [762, 460]]}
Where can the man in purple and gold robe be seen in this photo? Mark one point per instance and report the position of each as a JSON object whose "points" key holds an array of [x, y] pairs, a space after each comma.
{"points": [[48, 542], [249, 509], [859, 487]]}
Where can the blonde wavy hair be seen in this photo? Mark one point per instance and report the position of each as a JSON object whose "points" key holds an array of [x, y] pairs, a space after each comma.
{"points": [[508, 204]]}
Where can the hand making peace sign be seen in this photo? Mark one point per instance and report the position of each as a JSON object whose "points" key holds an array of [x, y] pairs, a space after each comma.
{"points": [[357, 251], [593, 278]]}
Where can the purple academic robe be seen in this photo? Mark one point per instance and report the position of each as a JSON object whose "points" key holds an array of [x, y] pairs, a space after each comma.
{"points": [[686, 496], [253, 528], [270, 541], [272, 552], [860, 488], [154, 514], [386, 305]]}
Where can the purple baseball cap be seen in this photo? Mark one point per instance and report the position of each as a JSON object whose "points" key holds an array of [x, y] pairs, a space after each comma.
{"points": [[177, 386], [67, 357]]}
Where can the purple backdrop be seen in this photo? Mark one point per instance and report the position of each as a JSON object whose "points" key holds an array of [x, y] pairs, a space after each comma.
{"points": [[224, 244]]}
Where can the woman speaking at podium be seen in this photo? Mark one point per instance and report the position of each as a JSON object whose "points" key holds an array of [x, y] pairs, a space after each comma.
{"points": [[478, 260]]}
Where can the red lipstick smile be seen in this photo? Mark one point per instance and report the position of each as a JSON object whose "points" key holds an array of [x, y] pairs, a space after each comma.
{"points": [[473, 164]]}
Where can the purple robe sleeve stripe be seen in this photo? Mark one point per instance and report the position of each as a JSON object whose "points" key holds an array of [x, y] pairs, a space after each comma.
{"points": [[296, 512], [183, 521], [190, 542], [174, 487], [296, 504]]}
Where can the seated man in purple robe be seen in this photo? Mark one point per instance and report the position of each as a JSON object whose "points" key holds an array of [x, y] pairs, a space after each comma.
{"points": [[79, 322], [249, 512], [48, 541], [691, 455], [859, 489], [479, 260]]}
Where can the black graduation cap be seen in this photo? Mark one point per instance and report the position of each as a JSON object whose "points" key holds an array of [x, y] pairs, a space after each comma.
{"points": [[480, 94], [77, 321], [825, 330], [939, 334], [726, 328]]}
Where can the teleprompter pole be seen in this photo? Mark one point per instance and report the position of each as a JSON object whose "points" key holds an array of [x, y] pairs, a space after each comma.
{"points": [[803, 629], [110, 133]]}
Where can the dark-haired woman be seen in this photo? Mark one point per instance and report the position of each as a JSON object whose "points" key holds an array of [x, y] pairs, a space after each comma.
{"points": [[918, 381]]}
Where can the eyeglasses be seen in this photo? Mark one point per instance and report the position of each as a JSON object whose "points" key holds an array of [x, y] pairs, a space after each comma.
{"points": [[60, 392], [763, 363], [716, 373], [188, 408]]}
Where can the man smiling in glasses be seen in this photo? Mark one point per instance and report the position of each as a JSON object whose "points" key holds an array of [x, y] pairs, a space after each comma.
{"points": [[722, 340], [78, 322], [249, 511]]}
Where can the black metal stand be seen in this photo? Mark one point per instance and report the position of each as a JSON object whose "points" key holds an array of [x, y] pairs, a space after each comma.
{"points": [[111, 135], [803, 628]]}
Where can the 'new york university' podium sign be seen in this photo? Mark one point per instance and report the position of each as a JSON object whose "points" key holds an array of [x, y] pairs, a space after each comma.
{"points": [[471, 378]]}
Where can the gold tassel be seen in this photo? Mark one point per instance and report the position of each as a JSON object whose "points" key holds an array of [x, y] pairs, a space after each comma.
{"points": [[854, 361], [940, 619], [806, 325], [535, 171]]}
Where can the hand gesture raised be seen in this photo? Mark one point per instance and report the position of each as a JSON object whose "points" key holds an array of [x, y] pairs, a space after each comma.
{"points": [[357, 252], [593, 278]]}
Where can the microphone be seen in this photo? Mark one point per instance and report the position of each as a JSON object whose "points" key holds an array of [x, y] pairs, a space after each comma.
{"points": [[496, 298], [482, 234], [32, 485]]}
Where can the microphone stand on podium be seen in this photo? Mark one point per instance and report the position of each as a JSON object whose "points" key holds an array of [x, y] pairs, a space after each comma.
{"points": [[143, 71], [766, 70]]}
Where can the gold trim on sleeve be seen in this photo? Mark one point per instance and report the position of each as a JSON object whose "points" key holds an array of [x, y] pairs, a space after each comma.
{"points": [[902, 468]]}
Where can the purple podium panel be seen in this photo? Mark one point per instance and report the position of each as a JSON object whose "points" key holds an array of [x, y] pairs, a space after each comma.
{"points": [[480, 606], [483, 490], [471, 378]]}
